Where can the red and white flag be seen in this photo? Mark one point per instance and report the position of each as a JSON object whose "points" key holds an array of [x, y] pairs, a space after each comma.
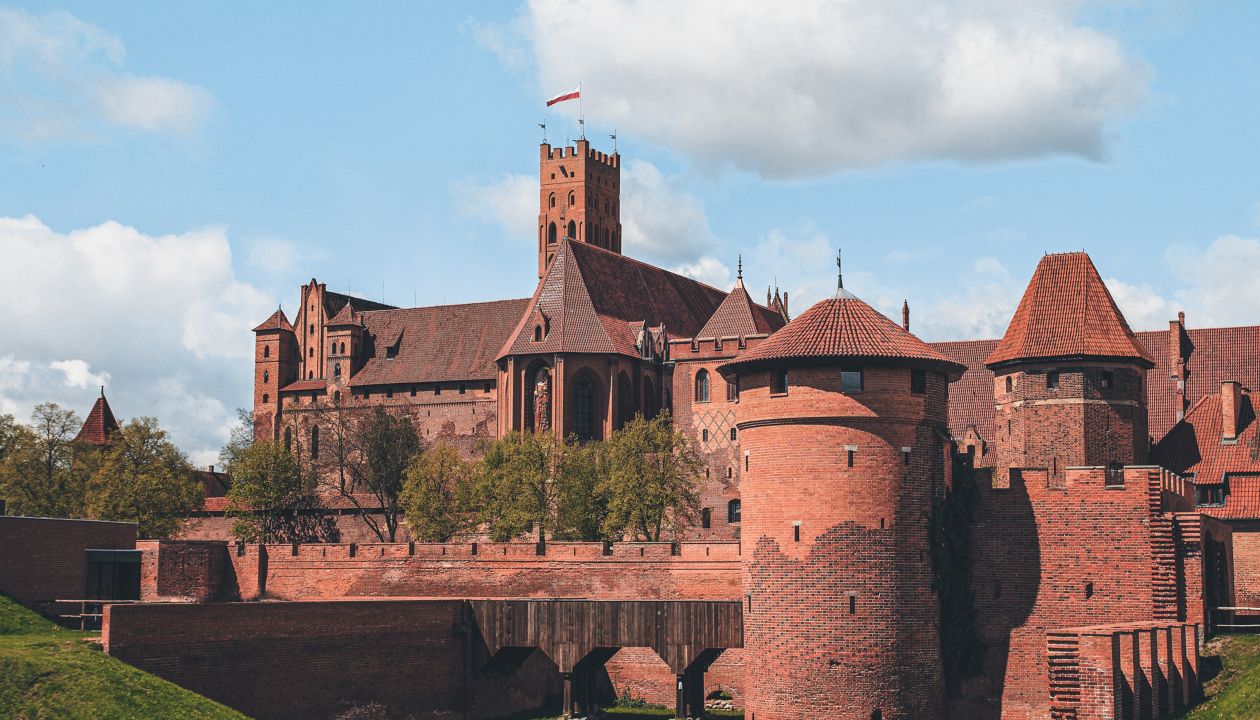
{"points": [[570, 95]]}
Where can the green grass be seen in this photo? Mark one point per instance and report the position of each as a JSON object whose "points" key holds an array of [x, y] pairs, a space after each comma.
{"points": [[1235, 691], [47, 671]]}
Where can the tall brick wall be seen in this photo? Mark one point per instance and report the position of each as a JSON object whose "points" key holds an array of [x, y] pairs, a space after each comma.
{"points": [[840, 615], [198, 571], [1246, 557], [45, 559], [709, 425], [418, 659]]}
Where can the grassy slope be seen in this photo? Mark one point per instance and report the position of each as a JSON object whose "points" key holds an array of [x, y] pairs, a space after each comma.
{"points": [[1235, 691], [49, 672]]}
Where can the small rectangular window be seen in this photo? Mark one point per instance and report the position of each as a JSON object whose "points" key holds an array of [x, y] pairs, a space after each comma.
{"points": [[850, 454], [1107, 379], [732, 389], [778, 382], [413, 391], [852, 604], [851, 380], [437, 389], [918, 381], [488, 387], [1052, 380], [462, 388], [389, 393], [796, 532], [733, 433]]}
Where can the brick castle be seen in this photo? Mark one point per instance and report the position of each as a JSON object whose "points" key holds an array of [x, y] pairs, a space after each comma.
{"points": [[1037, 526]]}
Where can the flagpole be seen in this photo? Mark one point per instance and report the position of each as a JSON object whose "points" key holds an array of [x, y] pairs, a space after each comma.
{"points": [[581, 117]]}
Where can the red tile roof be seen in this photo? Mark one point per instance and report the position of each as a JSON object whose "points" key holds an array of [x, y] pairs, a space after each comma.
{"points": [[216, 484], [739, 316], [345, 316], [100, 423], [1194, 445], [305, 386], [593, 299], [1219, 354], [1067, 312], [845, 327], [438, 344], [1242, 499], [277, 321]]}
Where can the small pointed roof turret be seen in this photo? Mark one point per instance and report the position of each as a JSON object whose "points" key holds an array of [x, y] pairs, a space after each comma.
{"points": [[100, 423], [277, 321]]}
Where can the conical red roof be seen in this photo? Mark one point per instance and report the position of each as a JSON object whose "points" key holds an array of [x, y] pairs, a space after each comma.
{"points": [[100, 423], [844, 327], [1067, 312], [277, 321]]}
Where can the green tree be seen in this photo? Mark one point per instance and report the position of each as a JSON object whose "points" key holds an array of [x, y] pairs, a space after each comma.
{"points": [[514, 488], [143, 478], [272, 498], [385, 444], [581, 505], [44, 472], [10, 432], [240, 437], [650, 474], [436, 495]]}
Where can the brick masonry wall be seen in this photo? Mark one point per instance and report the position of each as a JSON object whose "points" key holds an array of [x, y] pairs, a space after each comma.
{"points": [[44, 558], [407, 658], [643, 674], [1246, 564], [198, 571]]}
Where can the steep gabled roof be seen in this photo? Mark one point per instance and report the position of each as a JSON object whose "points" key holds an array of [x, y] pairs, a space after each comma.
{"points": [[1194, 446], [844, 327], [346, 316], [593, 299], [277, 321], [1067, 312], [739, 316], [435, 344], [100, 423]]}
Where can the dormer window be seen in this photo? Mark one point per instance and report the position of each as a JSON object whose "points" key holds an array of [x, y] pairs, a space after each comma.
{"points": [[391, 352], [538, 333]]}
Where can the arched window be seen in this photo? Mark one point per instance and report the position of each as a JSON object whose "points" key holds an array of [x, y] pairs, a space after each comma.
{"points": [[572, 230], [288, 440], [315, 442], [266, 376], [311, 329], [266, 351], [551, 201], [310, 374], [572, 198], [337, 370], [732, 511], [706, 518], [343, 348], [1009, 383], [332, 348], [538, 333], [551, 234], [584, 409], [310, 352], [702, 386]]}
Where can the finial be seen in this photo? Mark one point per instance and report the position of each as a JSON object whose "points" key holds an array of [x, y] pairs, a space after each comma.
{"points": [[905, 315], [543, 125], [102, 391], [739, 274], [839, 272], [614, 139]]}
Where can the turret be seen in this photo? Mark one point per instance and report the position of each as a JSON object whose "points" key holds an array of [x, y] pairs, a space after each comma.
{"points": [[275, 365], [842, 420], [1069, 376]]}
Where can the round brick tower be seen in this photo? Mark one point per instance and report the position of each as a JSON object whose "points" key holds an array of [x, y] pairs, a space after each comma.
{"points": [[842, 417], [1069, 376]]}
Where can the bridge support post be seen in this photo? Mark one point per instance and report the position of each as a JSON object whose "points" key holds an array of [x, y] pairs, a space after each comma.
{"points": [[680, 697], [567, 705], [693, 681]]}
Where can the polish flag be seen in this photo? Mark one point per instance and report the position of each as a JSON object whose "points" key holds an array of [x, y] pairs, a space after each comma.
{"points": [[571, 95]]}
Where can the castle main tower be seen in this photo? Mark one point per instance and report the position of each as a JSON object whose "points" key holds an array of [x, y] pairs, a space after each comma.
{"points": [[1069, 376], [579, 198], [842, 417]]}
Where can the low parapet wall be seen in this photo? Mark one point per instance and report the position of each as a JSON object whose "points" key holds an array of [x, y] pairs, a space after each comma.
{"points": [[650, 571], [1127, 670]]}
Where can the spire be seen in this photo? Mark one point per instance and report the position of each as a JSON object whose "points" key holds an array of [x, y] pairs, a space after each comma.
{"points": [[839, 273], [905, 315], [739, 274]]}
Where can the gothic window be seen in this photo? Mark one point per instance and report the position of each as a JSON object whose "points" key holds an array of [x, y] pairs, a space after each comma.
{"points": [[311, 329], [584, 409], [333, 348], [551, 201], [778, 382], [572, 198], [266, 351], [732, 511], [551, 234], [310, 352], [266, 376], [310, 374], [572, 230], [734, 433], [702, 386], [337, 370], [343, 348], [851, 380], [538, 333], [315, 443], [1010, 384], [625, 400], [649, 399]]}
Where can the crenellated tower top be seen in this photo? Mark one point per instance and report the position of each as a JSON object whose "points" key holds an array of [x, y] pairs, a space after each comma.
{"points": [[579, 198]]}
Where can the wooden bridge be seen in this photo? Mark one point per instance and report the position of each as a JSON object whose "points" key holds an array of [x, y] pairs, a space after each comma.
{"points": [[581, 635]]}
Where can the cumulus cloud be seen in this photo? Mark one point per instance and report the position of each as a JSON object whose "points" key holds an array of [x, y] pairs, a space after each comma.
{"points": [[162, 321], [63, 79], [660, 221], [803, 89], [707, 269]]}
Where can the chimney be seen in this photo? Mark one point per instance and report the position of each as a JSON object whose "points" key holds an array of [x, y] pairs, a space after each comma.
{"points": [[905, 315], [1179, 349], [1231, 407], [785, 305]]}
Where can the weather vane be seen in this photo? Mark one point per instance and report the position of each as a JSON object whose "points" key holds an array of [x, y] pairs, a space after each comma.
{"points": [[839, 273]]}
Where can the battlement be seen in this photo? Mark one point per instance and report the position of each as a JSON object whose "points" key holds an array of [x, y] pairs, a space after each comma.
{"points": [[571, 152]]}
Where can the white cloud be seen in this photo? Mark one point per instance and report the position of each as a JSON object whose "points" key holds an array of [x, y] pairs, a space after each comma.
{"points": [[707, 269], [1222, 281], [982, 309], [660, 221], [162, 321], [807, 88], [1142, 306], [62, 79], [78, 374]]}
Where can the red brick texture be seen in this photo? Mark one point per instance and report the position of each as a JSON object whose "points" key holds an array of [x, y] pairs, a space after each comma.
{"points": [[840, 616], [418, 659], [45, 559], [197, 571]]}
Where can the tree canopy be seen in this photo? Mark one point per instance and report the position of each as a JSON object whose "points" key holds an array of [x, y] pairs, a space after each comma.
{"points": [[44, 472], [650, 474], [437, 495], [143, 478], [272, 498]]}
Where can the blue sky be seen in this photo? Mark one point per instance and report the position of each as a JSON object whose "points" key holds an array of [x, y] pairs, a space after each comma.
{"points": [[169, 173]]}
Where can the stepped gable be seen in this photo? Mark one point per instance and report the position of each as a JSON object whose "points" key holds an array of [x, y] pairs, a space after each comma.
{"points": [[100, 423], [739, 316], [435, 344], [277, 321], [592, 300], [845, 327], [1067, 312]]}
